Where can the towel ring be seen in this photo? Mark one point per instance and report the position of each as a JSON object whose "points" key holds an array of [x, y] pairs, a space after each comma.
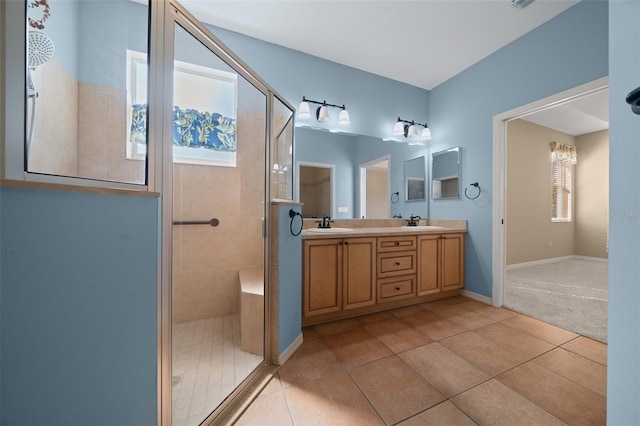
{"points": [[395, 197], [477, 185], [292, 215]]}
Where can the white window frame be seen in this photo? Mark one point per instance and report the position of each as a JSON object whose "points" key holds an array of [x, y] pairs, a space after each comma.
{"points": [[136, 151], [561, 182]]}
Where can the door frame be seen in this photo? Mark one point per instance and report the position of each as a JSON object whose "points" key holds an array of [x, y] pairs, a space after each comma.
{"points": [[332, 181], [363, 183], [500, 172]]}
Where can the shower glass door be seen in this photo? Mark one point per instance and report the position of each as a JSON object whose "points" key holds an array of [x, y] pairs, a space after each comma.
{"points": [[219, 127]]}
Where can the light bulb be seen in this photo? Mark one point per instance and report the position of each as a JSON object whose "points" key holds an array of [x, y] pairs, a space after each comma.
{"points": [[303, 110], [343, 118]]}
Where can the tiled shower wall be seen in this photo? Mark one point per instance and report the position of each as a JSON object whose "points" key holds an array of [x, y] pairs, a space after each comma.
{"points": [[54, 146], [207, 259]]}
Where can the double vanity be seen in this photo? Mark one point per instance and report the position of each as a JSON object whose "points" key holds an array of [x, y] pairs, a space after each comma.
{"points": [[363, 266]]}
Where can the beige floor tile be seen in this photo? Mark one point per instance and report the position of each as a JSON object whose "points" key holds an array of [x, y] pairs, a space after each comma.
{"points": [[406, 311], [539, 329], [374, 318], [484, 354], [356, 346], [516, 340], [449, 373], [397, 335], [312, 360], [331, 400], [433, 325], [561, 397], [335, 327], [493, 403], [446, 310], [470, 320], [442, 414], [588, 348], [395, 390], [496, 314], [267, 410], [576, 368]]}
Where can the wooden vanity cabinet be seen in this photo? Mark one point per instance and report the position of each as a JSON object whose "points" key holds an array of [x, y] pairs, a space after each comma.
{"points": [[339, 274], [441, 263]]}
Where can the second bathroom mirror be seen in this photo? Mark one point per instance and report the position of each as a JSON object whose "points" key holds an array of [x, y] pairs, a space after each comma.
{"points": [[445, 173]]}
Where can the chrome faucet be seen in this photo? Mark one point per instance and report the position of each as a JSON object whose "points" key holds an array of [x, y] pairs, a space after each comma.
{"points": [[412, 220], [325, 223]]}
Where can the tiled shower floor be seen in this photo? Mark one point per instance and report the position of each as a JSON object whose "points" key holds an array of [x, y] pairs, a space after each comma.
{"points": [[207, 365]]}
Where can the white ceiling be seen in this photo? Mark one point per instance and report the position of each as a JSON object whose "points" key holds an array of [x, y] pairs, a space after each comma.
{"points": [[419, 42], [586, 114]]}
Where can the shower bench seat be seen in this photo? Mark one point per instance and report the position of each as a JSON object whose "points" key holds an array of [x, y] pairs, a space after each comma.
{"points": [[252, 310]]}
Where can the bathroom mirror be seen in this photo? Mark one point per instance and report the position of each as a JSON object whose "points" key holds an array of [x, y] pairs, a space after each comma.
{"points": [[414, 176], [445, 173], [345, 153]]}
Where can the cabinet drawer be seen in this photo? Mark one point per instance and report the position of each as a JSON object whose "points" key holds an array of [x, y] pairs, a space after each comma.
{"points": [[396, 288], [391, 264], [400, 243]]}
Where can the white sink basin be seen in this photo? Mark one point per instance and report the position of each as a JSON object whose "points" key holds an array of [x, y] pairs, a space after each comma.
{"points": [[330, 230], [422, 228]]}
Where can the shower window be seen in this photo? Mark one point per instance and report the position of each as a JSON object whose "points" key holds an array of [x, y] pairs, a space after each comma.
{"points": [[77, 106], [204, 126]]}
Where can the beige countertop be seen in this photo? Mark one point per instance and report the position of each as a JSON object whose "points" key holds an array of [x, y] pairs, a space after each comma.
{"points": [[381, 228]]}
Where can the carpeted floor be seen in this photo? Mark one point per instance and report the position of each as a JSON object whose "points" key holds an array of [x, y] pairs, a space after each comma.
{"points": [[570, 293]]}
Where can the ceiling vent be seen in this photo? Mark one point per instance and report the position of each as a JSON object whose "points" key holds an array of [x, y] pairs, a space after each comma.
{"points": [[521, 4]]}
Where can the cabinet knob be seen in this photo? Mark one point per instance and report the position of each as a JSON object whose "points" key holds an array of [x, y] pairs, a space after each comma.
{"points": [[397, 263], [397, 288], [397, 243]]}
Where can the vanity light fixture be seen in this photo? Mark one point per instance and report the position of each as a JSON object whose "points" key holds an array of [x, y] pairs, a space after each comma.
{"points": [[322, 113], [409, 130]]}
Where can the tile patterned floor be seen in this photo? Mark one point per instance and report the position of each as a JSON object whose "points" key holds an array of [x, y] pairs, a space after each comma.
{"points": [[207, 365], [450, 362]]}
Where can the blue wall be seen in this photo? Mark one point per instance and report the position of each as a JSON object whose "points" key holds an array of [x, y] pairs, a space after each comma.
{"points": [[563, 53], [374, 102], [289, 279], [78, 308], [623, 373]]}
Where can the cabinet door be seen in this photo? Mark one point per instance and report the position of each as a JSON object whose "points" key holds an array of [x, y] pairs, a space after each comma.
{"points": [[359, 272], [322, 276], [452, 263], [428, 249]]}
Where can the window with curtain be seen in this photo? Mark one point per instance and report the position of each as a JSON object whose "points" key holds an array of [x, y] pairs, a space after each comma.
{"points": [[563, 158]]}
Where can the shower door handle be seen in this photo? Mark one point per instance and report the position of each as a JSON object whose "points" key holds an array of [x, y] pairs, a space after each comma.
{"points": [[211, 222]]}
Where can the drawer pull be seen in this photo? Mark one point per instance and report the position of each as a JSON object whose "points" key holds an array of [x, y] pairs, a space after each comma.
{"points": [[397, 243], [397, 263], [397, 288]]}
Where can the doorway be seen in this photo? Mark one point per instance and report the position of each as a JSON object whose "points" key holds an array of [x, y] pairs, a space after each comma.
{"points": [[374, 189], [316, 183], [537, 241]]}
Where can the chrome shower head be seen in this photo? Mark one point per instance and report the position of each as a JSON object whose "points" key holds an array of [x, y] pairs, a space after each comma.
{"points": [[39, 49]]}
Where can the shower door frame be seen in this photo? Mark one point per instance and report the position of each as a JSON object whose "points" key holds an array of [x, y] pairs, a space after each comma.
{"points": [[166, 16]]}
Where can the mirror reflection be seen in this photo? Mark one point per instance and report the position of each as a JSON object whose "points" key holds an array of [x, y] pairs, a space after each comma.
{"points": [[81, 88], [353, 158], [445, 173], [414, 175]]}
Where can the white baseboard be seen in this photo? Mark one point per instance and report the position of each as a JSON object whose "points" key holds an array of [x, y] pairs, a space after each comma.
{"points": [[476, 296], [553, 260], [284, 356]]}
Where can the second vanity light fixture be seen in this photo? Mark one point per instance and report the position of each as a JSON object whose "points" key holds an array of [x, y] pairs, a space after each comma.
{"points": [[322, 113], [409, 129]]}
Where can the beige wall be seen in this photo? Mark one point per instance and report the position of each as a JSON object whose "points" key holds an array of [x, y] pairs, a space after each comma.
{"points": [[530, 233], [54, 146], [206, 260], [592, 194], [377, 193]]}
